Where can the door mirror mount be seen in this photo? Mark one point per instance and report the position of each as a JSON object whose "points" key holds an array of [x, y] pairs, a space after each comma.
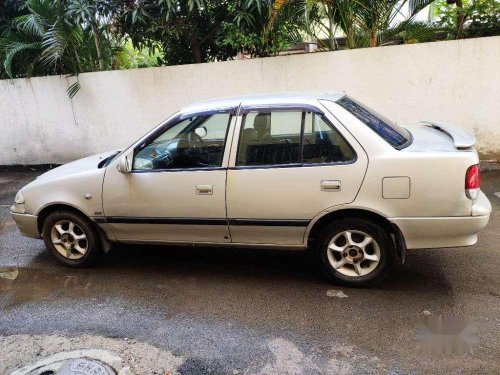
{"points": [[125, 163]]}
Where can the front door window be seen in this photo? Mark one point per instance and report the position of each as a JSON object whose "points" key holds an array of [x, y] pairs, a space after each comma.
{"points": [[191, 143]]}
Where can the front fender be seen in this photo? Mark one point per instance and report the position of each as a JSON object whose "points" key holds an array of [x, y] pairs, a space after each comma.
{"points": [[82, 191]]}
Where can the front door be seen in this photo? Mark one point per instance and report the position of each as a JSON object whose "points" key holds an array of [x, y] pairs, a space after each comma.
{"points": [[289, 165], [176, 190]]}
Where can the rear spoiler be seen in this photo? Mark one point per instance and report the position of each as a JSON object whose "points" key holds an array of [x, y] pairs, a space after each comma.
{"points": [[461, 137]]}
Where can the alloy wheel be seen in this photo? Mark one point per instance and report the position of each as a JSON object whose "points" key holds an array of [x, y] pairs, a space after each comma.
{"points": [[353, 253], [69, 239]]}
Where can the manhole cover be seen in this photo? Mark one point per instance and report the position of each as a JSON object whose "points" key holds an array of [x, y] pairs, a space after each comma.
{"points": [[78, 362], [78, 366]]}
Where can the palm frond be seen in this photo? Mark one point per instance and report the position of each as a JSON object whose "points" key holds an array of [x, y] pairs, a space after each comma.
{"points": [[73, 89], [31, 23], [54, 45], [13, 49]]}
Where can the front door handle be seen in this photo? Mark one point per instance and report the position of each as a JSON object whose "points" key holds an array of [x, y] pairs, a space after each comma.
{"points": [[330, 185], [204, 189]]}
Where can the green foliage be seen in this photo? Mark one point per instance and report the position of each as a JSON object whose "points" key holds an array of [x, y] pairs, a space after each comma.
{"points": [[9, 10], [257, 38], [73, 89], [481, 17], [415, 32], [361, 22], [131, 58], [40, 37], [193, 31], [25, 39]]}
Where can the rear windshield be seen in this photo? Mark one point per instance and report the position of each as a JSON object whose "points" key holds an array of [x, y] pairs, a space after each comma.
{"points": [[393, 134]]}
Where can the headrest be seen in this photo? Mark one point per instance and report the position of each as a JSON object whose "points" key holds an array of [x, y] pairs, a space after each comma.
{"points": [[249, 133], [262, 122]]}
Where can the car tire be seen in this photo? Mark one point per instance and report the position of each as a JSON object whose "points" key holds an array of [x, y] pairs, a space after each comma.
{"points": [[71, 239], [355, 252]]}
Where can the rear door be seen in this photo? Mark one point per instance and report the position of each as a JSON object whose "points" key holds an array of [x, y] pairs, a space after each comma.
{"points": [[287, 165]]}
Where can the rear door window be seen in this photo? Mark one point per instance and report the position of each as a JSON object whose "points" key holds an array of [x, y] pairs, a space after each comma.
{"points": [[286, 137], [270, 138], [323, 143]]}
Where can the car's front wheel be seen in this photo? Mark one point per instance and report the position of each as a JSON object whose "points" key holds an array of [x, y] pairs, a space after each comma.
{"points": [[71, 239], [355, 252]]}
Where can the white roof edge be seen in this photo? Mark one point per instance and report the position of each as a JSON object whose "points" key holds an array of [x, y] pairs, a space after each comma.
{"points": [[275, 98]]}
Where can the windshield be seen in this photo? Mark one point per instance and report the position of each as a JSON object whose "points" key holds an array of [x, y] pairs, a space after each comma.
{"points": [[393, 134]]}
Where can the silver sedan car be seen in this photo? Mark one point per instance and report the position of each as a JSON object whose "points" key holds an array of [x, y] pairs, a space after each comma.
{"points": [[320, 172]]}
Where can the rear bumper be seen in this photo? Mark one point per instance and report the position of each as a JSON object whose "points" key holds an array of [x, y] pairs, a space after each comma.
{"points": [[434, 232], [27, 224]]}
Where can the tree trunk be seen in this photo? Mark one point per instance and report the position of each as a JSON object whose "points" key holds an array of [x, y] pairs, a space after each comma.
{"points": [[373, 38], [331, 34], [78, 61], [97, 41], [351, 43], [460, 19], [197, 51]]}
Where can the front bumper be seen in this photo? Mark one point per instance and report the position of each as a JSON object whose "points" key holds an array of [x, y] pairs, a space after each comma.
{"points": [[435, 232], [27, 224]]}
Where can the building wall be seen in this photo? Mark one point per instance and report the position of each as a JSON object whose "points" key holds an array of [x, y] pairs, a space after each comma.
{"points": [[453, 81]]}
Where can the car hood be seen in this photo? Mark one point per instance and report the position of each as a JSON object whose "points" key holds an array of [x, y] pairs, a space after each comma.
{"points": [[75, 167]]}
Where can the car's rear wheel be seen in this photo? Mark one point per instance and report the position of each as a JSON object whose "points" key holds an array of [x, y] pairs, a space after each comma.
{"points": [[71, 239], [355, 252]]}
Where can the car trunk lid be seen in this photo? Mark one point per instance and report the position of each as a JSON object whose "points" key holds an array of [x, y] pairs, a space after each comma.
{"points": [[462, 138], [438, 136]]}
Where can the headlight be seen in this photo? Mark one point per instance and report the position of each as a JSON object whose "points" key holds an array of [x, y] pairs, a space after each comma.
{"points": [[19, 199]]}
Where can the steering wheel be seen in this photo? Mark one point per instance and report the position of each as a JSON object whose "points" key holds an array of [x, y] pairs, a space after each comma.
{"points": [[197, 149], [195, 140], [167, 158]]}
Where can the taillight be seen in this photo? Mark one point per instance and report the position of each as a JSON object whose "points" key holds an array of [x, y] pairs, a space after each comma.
{"points": [[472, 181]]}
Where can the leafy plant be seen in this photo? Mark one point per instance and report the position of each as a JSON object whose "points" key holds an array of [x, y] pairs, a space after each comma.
{"points": [[194, 31], [131, 58], [57, 37], [415, 32], [362, 22], [36, 38], [470, 18], [258, 38], [41, 37]]}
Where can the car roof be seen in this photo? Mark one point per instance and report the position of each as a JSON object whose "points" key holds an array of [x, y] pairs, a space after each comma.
{"points": [[260, 99]]}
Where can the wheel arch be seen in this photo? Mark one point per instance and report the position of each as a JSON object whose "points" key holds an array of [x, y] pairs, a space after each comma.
{"points": [[359, 213], [48, 209]]}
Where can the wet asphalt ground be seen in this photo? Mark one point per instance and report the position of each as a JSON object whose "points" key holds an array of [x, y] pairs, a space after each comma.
{"points": [[228, 311]]}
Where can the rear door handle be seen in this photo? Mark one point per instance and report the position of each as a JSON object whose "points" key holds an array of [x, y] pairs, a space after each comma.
{"points": [[330, 185], [204, 189]]}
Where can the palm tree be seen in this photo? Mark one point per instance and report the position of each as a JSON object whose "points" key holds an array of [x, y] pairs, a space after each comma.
{"points": [[376, 17], [55, 38], [90, 14], [363, 22], [40, 38]]}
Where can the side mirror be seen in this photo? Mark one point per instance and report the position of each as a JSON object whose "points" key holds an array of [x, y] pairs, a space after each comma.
{"points": [[201, 131], [125, 163]]}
